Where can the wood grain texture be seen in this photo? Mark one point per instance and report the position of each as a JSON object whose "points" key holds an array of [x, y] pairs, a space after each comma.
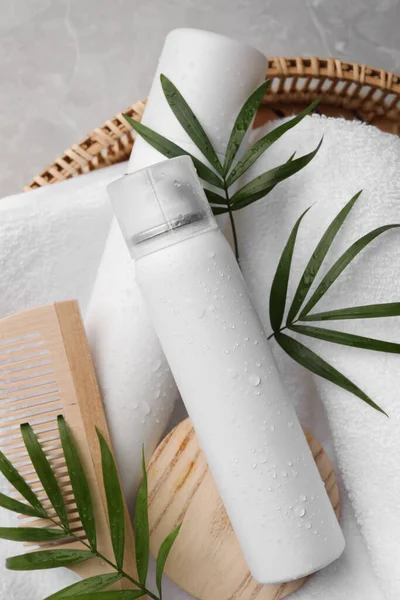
{"points": [[206, 559], [46, 370]]}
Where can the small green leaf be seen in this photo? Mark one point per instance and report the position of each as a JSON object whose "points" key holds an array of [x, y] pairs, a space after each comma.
{"points": [[112, 595], [162, 556], [86, 586], [314, 363], [31, 534], [142, 535], [264, 143], [217, 210], [45, 473], [171, 150], [214, 198], [317, 258], [19, 483], [264, 183], [115, 501], [47, 559], [19, 507], [80, 486], [341, 264], [189, 122], [243, 123], [277, 298], [368, 311], [347, 339]]}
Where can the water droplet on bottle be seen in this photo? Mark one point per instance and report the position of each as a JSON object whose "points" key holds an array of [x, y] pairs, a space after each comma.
{"points": [[177, 183], [254, 465], [200, 312], [135, 406], [211, 254], [284, 473], [272, 427], [233, 373], [299, 511], [307, 525], [290, 424], [156, 394], [226, 351], [146, 408], [157, 364], [303, 498], [246, 339], [254, 380]]}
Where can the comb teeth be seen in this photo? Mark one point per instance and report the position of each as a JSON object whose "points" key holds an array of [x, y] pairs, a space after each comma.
{"points": [[29, 393]]}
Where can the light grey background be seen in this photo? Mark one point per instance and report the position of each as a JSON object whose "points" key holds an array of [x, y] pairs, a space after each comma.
{"points": [[68, 65]]}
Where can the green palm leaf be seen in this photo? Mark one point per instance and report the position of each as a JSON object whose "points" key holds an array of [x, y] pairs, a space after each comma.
{"points": [[19, 507], [115, 501], [262, 185], [80, 486], [368, 311], [219, 210], [112, 595], [47, 559], [19, 483], [277, 298], [265, 142], [189, 122], [31, 534], [142, 535], [314, 363], [214, 198], [317, 258], [86, 586], [162, 556], [243, 122], [45, 473], [171, 150], [341, 264], [347, 339]]}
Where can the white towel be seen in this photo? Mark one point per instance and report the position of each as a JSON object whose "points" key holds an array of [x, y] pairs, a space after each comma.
{"points": [[51, 242], [366, 444]]}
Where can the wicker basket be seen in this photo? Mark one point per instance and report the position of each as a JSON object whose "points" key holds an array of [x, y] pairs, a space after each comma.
{"points": [[347, 90]]}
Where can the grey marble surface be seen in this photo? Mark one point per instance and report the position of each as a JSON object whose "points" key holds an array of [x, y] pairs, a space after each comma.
{"points": [[67, 65]]}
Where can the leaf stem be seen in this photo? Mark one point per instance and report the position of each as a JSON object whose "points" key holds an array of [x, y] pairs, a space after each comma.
{"points": [[125, 575], [281, 329], [232, 221]]}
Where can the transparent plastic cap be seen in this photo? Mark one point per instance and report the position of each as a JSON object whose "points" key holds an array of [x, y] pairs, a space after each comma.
{"points": [[160, 205]]}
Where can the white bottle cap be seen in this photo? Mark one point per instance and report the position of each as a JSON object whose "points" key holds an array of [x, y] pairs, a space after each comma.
{"points": [[215, 75], [164, 202]]}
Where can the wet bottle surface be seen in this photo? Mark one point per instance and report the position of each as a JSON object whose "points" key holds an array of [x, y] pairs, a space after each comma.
{"points": [[222, 363]]}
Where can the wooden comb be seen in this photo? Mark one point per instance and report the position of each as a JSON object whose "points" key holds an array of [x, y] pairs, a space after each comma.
{"points": [[46, 370]]}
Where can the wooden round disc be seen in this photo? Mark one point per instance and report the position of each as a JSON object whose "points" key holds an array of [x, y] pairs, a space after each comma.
{"points": [[206, 559]]}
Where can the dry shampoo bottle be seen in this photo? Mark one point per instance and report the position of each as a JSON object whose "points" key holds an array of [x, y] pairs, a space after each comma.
{"points": [[222, 363]]}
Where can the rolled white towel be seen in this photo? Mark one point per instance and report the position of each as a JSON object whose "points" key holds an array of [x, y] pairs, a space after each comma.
{"points": [[138, 390]]}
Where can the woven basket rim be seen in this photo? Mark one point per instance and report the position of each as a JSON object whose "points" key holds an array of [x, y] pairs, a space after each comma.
{"points": [[371, 95]]}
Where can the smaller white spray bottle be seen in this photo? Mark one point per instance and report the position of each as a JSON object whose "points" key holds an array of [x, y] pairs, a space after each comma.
{"points": [[222, 363]]}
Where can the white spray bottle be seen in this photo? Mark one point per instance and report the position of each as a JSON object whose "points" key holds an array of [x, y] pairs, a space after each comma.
{"points": [[224, 369]]}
